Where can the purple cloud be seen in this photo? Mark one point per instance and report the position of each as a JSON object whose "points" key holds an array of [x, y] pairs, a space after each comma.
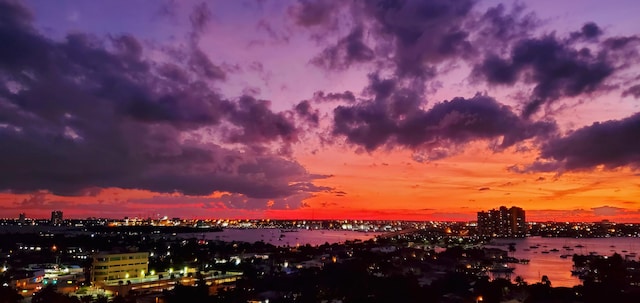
{"points": [[395, 117], [556, 68], [348, 51], [611, 144], [87, 112]]}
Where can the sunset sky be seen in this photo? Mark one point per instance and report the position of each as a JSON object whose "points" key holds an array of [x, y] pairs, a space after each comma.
{"points": [[418, 110]]}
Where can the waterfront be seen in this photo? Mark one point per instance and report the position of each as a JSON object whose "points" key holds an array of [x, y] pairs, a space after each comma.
{"points": [[552, 265], [279, 237], [541, 263]]}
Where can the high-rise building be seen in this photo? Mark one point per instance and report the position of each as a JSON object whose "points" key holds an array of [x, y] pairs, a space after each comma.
{"points": [[502, 222], [517, 221], [56, 217], [22, 219]]}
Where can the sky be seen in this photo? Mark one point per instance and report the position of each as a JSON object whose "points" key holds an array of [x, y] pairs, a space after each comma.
{"points": [[318, 109]]}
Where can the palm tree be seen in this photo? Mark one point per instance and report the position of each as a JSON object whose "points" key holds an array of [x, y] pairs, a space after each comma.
{"points": [[520, 281], [545, 281]]}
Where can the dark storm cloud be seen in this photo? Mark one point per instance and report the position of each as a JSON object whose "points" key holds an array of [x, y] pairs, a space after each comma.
{"points": [[348, 51], [422, 33], [420, 40], [200, 18], [313, 13], [413, 35], [258, 124], [622, 42], [556, 68], [632, 91], [498, 27], [611, 144], [394, 117], [321, 96], [589, 31], [200, 63], [87, 112], [304, 110]]}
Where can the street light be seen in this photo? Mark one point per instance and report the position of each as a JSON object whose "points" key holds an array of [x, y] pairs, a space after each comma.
{"points": [[479, 299]]}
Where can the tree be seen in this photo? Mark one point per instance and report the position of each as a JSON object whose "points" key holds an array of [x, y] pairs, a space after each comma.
{"points": [[9, 295], [545, 281], [101, 299], [49, 295], [520, 281]]}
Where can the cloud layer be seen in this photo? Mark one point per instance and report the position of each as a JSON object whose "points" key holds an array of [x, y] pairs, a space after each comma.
{"points": [[90, 112]]}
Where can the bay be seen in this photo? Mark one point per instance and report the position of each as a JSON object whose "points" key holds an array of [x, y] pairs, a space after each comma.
{"points": [[277, 237], [545, 261]]}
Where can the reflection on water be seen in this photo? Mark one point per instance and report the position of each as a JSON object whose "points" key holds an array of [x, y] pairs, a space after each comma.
{"points": [[544, 255], [287, 238]]}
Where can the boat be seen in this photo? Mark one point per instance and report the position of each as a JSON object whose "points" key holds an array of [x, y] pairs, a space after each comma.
{"points": [[524, 261], [545, 251], [579, 246], [554, 250], [565, 256], [533, 247]]}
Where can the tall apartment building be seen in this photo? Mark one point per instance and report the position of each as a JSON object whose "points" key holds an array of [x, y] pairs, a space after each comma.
{"points": [[502, 222], [115, 266], [56, 217]]}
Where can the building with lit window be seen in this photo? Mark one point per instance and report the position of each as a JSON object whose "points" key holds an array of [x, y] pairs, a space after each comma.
{"points": [[56, 217], [116, 266], [502, 222]]}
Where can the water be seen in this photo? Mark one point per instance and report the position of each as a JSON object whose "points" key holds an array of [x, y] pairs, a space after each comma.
{"points": [[293, 238], [558, 269]]}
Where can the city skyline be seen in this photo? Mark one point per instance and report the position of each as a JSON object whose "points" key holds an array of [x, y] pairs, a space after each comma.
{"points": [[409, 110]]}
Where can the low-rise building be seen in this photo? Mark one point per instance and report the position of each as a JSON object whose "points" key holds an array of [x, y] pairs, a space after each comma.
{"points": [[116, 266]]}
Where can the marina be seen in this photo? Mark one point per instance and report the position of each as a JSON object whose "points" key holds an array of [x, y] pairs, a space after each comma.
{"points": [[555, 258]]}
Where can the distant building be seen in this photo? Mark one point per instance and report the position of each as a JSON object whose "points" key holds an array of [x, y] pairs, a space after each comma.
{"points": [[56, 217], [116, 266], [22, 219], [502, 222]]}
